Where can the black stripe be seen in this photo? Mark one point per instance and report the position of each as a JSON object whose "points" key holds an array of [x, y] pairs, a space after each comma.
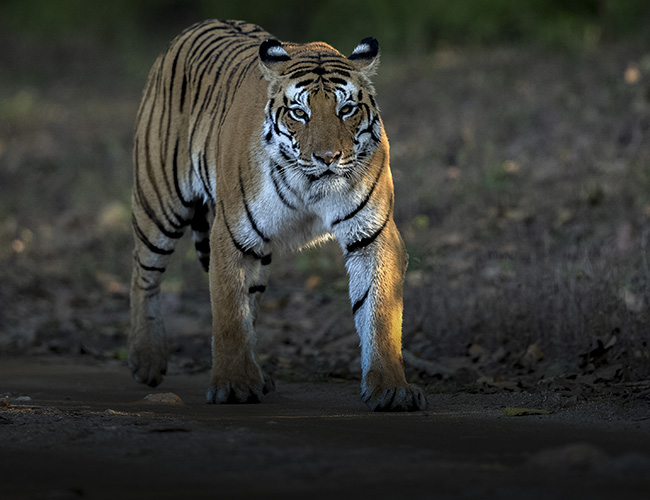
{"points": [[364, 242], [181, 221], [276, 119], [283, 179], [161, 203], [215, 48], [147, 288], [223, 99], [363, 203], [248, 212], [163, 113], [171, 87], [202, 246], [219, 46], [199, 221], [150, 268], [152, 215], [257, 288], [357, 305], [239, 246], [298, 73], [183, 92], [175, 174], [201, 42], [304, 83], [284, 154], [203, 169], [227, 99], [370, 129], [337, 81], [141, 236], [266, 259], [204, 260], [279, 192]]}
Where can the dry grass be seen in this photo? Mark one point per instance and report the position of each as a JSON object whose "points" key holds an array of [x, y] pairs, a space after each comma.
{"points": [[525, 177]]}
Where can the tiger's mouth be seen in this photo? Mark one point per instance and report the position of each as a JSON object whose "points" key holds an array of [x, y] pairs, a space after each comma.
{"points": [[319, 172], [326, 174]]}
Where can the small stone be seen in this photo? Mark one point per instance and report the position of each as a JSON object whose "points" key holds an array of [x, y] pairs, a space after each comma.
{"points": [[165, 398]]}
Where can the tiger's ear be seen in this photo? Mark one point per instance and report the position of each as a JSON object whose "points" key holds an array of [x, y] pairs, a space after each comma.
{"points": [[273, 58], [365, 57]]}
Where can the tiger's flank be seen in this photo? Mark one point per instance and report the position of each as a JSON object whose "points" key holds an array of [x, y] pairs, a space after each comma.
{"points": [[261, 146]]}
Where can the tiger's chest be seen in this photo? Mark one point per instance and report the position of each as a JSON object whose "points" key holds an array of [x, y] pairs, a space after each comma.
{"points": [[290, 211]]}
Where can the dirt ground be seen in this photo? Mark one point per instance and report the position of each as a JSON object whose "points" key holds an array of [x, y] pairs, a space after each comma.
{"points": [[73, 428], [523, 195]]}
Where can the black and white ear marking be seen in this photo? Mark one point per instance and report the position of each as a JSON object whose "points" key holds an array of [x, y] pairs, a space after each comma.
{"points": [[271, 51], [367, 49]]}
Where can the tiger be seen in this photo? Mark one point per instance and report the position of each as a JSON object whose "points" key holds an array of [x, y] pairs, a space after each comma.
{"points": [[263, 147]]}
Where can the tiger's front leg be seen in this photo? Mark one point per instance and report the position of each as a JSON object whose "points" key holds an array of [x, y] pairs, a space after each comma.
{"points": [[235, 275], [376, 265]]}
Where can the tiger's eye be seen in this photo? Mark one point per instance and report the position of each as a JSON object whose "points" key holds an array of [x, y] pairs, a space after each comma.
{"points": [[299, 113], [346, 110]]}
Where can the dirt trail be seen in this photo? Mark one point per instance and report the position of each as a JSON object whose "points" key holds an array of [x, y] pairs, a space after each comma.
{"points": [[87, 432]]}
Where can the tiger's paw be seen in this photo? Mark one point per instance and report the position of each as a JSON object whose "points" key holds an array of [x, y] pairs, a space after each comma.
{"points": [[231, 392], [148, 367], [404, 398]]}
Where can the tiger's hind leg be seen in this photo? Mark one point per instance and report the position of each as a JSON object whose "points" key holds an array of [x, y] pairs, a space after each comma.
{"points": [[154, 245]]}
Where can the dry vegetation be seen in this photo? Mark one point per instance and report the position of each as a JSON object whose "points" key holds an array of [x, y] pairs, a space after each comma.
{"points": [[523, 193]]}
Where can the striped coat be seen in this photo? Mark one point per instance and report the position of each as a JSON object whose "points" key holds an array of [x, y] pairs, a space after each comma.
{"points": [[260, 146]]}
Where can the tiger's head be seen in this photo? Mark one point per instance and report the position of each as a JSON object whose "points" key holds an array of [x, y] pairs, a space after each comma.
{"points": [[321, 118]]}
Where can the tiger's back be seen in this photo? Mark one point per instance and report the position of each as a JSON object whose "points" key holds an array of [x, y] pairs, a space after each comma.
{"points": [[179, 122], [261, 145]]}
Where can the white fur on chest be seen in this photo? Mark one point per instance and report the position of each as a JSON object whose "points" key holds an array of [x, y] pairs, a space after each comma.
{"points": [[295, 222]]}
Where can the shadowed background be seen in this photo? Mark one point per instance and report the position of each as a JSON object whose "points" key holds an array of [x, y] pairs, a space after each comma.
{"points": [[519, 142]]}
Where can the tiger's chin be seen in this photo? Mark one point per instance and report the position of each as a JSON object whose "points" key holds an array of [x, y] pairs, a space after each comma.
{"points": [[328, 184]]}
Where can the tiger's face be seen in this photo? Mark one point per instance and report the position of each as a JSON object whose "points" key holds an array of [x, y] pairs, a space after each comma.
{"points": [[321, 119]]}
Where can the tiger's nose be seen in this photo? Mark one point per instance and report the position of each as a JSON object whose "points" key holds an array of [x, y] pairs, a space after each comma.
{"points": [[327, 157]]}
